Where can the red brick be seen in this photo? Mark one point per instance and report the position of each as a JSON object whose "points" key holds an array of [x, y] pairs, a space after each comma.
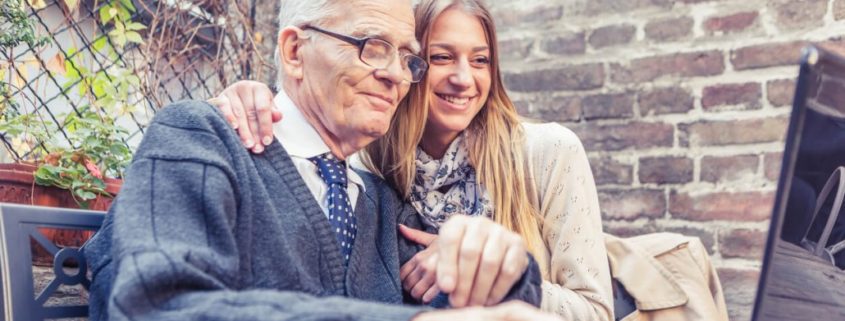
{"points": [[610, 137], [665, 101], [731, 206], [730, 23], [548, 108], [612, 35], [514, 49], [740, 287], [694, 64], [577, 77], [601, 7], [791, 14], [747, 131], [728, 168], [626, 204], [669, 29], [707, 238], [742, 243], [571, 44], [519, 15], [629, 229], [839, 9], [771, 165], [767, 55], [610, 171], [780, 92], [746, 95], [665, 170], [608, 106]]}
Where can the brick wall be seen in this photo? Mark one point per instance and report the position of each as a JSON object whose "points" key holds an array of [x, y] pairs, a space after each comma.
{"points": [[681, 104]]}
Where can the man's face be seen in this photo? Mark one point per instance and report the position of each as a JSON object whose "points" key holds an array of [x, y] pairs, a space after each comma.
{"points": [[355, 101]]}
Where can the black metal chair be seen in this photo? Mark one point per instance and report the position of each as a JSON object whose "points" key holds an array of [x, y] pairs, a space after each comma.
{"points": [[19, 224]]}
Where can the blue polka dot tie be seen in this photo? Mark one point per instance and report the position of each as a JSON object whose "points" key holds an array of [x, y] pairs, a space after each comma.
{"points": [[333, 172]]}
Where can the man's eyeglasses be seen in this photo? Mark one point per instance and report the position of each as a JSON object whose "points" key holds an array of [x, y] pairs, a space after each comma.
{"points": [[379, 54]]}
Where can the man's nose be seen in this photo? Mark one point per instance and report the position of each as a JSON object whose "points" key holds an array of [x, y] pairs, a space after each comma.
{"points": [[393, 72]]}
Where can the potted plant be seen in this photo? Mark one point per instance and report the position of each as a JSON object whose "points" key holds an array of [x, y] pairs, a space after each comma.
{"points": [[112, 55]]}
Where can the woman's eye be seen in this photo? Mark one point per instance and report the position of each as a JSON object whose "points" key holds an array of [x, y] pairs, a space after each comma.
{"points": [[439, 57], [481, 60]]}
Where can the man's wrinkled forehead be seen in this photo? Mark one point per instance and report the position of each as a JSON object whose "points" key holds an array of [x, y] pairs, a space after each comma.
{"points": [[390, 20]]}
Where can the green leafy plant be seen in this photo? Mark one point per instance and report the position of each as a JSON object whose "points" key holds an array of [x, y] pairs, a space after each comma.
{"points": [[93, 144], [207, 43], [17, 28]]}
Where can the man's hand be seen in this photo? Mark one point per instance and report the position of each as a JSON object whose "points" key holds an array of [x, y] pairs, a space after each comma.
{"points": [[509, 311], [248, 106], [476, 262], [419, 274]]}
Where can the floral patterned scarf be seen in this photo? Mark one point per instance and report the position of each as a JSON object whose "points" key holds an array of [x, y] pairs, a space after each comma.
{"points": [[453, 172]]}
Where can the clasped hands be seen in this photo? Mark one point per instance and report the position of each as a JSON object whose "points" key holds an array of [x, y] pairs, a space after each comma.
{"points": [[473, 259], [476, 262]]}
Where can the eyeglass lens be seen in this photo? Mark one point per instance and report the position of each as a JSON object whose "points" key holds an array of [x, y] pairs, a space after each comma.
{"points": [[377, 53]]}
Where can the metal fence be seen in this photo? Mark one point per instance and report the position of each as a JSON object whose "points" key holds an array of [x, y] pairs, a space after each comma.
{"points": [[123, 58]]}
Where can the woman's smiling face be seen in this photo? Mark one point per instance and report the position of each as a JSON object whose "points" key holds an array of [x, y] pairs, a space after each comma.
{"points": [[459, 75]]}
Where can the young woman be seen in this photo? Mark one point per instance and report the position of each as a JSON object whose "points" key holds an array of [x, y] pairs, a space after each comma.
{"points": [[457, 146]]}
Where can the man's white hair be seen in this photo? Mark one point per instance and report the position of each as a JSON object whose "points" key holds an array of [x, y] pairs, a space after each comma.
{"points": [[299, 13]]}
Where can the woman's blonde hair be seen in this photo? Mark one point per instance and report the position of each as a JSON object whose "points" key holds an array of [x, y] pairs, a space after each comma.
{"points": [[494, 137]]}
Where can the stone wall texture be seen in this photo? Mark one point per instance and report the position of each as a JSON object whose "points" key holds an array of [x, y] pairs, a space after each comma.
{"points": [[682, 106]]}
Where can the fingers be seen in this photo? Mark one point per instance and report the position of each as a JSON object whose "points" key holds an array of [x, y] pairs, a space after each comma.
{"points": [[409, 267], [249, 107], [472, 246], [222, 103], [236, 104], [449, 245], [417, 236], [418, 275], [276, 114], [264, 107], [424, 286], [488, 269], [248, 103], [517, 261], [432, 293]]}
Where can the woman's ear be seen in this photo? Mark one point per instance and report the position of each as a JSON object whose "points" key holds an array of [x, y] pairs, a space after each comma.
{"points": [[290, 42]]}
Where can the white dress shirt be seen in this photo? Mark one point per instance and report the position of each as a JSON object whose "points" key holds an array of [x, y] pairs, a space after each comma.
{"points": [[302, 141]]}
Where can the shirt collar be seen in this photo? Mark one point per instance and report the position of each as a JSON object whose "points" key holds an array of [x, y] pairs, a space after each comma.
{"points": [[299, 138]]}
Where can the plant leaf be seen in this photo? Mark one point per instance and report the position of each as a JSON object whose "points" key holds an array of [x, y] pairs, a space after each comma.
{"points": [[133, 36], [128, 5], [71, 5], [56, 65], [37, 4], [135, 26]]}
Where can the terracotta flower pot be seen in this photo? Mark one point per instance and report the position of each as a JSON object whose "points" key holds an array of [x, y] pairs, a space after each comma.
{"points": [[17, 185]]}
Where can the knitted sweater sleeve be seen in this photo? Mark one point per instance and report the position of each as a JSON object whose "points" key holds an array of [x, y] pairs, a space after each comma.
{"points": [[577, 286], [175, 253]]}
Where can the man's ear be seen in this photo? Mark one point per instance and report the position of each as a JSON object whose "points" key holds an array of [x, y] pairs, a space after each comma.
{"points": [[290, 42]]}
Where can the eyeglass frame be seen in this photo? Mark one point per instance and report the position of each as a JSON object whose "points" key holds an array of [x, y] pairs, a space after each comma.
{"points": [[361, 42]]}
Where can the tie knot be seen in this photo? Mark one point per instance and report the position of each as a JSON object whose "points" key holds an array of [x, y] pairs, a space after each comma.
{"points": [[331, 169]]}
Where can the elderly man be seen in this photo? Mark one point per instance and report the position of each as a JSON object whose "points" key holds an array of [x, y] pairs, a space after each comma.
{"points": [[204, 230]]}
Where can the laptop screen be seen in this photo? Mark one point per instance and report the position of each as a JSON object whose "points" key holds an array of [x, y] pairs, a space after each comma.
{"points": [[803, 275]]}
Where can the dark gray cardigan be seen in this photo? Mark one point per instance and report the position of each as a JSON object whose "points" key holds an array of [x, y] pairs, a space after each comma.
{"points": [[204, 230]]}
